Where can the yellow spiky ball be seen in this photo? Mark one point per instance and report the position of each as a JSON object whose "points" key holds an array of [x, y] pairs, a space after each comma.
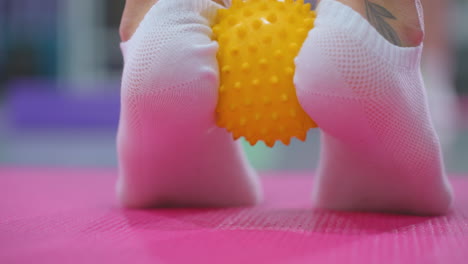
{"points": [[258, 41]]}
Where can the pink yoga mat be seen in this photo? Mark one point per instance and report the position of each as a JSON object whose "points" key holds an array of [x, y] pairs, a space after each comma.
{"points": [[70, 216]]}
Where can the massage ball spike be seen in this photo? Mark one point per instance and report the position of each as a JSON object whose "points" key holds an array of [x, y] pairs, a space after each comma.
{"points": [[258, 41]]}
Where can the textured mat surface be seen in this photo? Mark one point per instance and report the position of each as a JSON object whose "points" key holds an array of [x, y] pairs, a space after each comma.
{"points": [[70, 216]]}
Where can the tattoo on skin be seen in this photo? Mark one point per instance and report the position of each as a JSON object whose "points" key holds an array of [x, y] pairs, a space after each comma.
{"points": [[377, 15]]}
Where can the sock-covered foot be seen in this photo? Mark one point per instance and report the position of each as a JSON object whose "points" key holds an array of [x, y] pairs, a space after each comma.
{"points": [[379, 148], [170, 151]]}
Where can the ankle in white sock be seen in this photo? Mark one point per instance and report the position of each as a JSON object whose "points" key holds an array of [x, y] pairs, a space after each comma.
{"points": [[379, 148], [170, 151]]}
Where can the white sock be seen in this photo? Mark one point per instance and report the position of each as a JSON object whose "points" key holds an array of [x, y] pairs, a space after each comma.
{"points": [[379, 148], [170, 151]]}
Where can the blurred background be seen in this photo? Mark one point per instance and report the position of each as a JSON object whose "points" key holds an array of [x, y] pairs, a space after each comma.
{"points": [[60, 67]]}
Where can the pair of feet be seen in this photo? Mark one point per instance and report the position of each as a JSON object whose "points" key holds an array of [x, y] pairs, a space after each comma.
{"points": [[379, 149]]}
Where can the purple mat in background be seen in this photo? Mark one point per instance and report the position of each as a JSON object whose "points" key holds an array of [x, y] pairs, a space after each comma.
{"points": [[43, 104]]}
